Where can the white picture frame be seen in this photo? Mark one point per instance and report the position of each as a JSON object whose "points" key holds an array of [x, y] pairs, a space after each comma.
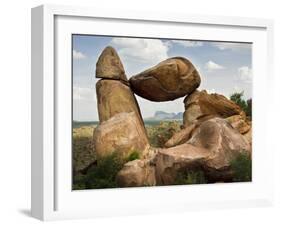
{"points": [[52, 198]]}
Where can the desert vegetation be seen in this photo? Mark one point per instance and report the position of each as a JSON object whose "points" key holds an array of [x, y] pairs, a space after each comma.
{"points": [[246, 105], [160, 133], [82, 144], [88, 173]]}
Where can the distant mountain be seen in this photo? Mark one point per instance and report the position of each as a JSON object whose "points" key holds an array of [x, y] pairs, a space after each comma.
{"points": [[162, 115]]}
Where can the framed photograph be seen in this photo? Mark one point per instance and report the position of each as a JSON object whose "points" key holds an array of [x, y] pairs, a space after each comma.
{"points": [[136, 113]]}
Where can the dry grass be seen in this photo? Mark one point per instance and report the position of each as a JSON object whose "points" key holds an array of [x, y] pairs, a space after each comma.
{"points": [[83, 151]]}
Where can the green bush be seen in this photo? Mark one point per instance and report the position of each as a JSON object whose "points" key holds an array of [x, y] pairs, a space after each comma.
{"points": [[245, 105], [242, 168], [79, 182], [101, 175], [158, 135], [191, 177], [133, 156]]}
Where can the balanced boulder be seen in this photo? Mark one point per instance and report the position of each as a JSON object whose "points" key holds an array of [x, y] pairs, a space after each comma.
{"points": [[123, 133], [173, 78], [201, 104], [110, 66]]}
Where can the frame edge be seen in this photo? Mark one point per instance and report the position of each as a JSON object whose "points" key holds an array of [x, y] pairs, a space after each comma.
{"points": [[37, 39]]}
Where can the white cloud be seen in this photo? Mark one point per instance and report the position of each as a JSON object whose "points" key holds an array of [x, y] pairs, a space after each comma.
{"points": [[237, 89], [210, 66], [232, 46], [188, 43], [78, 55], [144, 50], [87, 94], [210, 91], [245, 74]]}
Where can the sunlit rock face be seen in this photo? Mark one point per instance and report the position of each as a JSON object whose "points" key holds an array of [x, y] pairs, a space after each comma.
{"points": [[201, 104], [109, 65], [121, 128], [123, 133]]}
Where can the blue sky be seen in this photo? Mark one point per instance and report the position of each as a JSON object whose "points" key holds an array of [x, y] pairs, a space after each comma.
{"points": [[224, 68]]}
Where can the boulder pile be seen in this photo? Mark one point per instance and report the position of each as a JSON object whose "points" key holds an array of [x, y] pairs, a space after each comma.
{"points": [[215, 130]]}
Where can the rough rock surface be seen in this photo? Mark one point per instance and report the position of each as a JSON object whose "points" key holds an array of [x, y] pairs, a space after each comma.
{"points": [[170, 161], [123, 133], [238, 122], [137, 173], [185, 134], [200, 104], [168, 80], [180, 137], [211, 147], [110, 66], [114, 97], [248, 136], [221, 139]]}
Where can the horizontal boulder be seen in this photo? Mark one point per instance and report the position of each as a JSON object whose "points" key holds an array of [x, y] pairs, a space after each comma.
{"points": [[123, 133], [173, 78]]}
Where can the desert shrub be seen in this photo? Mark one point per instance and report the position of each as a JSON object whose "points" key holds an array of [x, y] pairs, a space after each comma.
{"points": [[191, 177], [249, 108], [79, 182], [159, 134], [133, 156], [245, 105], [101, 175], [242, 168]]}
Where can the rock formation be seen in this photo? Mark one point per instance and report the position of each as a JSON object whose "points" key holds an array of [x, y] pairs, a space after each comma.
{"points": [[211, 148], [122, 133], [137, 173], [109, 65], [173, 78], [171, 161], [221, 139], [201, 104], [239, 123], [121, 127], [115, 97], [215, 129]]}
